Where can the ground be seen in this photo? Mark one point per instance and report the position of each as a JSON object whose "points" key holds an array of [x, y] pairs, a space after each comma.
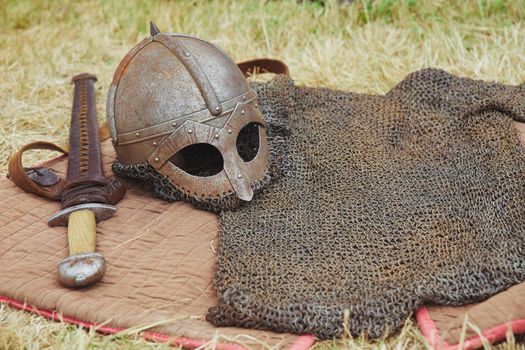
{"points": [[362, 46]]}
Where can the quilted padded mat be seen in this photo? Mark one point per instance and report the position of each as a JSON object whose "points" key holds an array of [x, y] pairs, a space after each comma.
{"points": [[161, 260], [488, 321], [160, 264]]}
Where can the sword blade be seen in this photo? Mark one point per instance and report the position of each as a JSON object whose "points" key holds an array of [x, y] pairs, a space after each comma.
{"points": [[85, 159], [85, 181]]}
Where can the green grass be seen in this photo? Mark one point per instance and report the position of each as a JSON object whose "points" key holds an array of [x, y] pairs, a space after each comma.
{"points": [[367, 46]]}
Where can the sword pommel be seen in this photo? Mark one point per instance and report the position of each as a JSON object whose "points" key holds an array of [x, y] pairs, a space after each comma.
{"points": [[81, 270]]}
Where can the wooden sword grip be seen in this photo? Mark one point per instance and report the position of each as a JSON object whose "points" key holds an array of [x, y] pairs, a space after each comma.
{"points": [[82, 232]]}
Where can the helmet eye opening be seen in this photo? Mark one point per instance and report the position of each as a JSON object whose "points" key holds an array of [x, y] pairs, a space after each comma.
{"points": [[200, 159], [248, 142]]}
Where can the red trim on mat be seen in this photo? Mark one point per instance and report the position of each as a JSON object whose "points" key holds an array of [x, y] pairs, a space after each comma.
{"points": [[429, 329], [492, 335], [303, 343]]}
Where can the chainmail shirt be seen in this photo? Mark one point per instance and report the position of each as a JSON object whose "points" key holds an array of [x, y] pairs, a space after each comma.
{"points": [[384, 202]]}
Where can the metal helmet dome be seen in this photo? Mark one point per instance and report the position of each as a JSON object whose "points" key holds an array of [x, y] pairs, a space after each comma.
{"points": [[179, 106]]}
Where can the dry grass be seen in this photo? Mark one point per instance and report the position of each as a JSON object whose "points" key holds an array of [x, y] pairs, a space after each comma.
{"points": [[366, 47]]}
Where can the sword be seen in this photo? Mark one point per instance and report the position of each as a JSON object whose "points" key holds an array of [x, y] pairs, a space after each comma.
{"points": [[88, 196]]}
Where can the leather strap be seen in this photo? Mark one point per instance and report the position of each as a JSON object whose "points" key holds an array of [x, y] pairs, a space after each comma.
{"points": [[49, 186], [41, 180], [263, 65]]}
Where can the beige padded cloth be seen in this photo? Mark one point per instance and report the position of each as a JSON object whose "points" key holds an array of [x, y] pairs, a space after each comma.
{"points": [[498, 310], [160, 259], [137, 289]]}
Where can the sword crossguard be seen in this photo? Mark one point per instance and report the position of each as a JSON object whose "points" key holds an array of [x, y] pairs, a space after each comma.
{"points": [[101, 211]]}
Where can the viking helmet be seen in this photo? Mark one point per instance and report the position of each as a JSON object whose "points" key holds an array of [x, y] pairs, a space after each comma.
{"points": [[184, 120]]}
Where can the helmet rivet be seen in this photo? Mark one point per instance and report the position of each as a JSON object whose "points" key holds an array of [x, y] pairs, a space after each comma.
{"points": [[156, 159], [244, 97], [187, 54], [174, 124], [217, 108], [154, 143], [242, 112], [239, 176], [216, 136], [137, 134], [229, 131], [190, 131]]}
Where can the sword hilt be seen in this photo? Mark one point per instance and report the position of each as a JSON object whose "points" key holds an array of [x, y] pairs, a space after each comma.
{"points": [[84, 266]]}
